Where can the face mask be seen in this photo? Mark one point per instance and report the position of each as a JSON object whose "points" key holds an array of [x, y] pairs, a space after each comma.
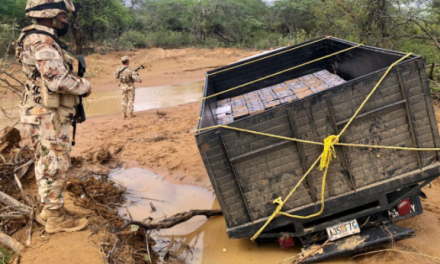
{"points": [[63, 31]]}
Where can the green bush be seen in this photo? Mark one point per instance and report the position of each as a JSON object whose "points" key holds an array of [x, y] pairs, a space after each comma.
{"points": [[212, 43], [134, 39], [170, 39], [426, 49], [6, 38]]}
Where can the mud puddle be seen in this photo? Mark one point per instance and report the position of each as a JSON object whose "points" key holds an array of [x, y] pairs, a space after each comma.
{"points": [[109, 102], [207, 241]]}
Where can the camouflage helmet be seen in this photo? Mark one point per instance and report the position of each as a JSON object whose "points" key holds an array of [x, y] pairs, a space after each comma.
{"points": [[125, 58], [48, 8]]}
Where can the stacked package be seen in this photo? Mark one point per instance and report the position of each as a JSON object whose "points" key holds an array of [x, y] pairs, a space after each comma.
{"points": [[269, 98], [254, 103], [258, 101]]}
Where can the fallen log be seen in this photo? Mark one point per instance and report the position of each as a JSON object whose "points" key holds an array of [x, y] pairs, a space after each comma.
{"points": [[11, 243], [19, 207], [170, 221]]}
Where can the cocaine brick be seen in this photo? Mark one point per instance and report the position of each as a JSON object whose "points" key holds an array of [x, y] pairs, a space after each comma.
{"points": [[288, 99], [252, 96], [314, 89], [302, 89], [255, 109], [267, 94], [282, 91], [321, 73], [271, 104], [306, 77], [240, 114], [224, 102], [224, 120], [304, 93], [240, 97], [292, 81], [238, 103], [296, 85]]}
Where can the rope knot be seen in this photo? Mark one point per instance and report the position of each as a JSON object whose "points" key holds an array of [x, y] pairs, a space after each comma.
{"points": [[329, 151], [280, 203]]}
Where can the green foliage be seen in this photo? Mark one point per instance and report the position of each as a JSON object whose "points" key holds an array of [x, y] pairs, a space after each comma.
{"points": [[11, 10], [7, 36], [5, 256], [105, 25], [132, 39], [423, 48], [169, 39], [97, 21]]}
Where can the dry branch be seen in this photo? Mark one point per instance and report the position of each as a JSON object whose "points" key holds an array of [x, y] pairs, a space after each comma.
{"points": [[171, 221], [12, 217], [29, 231], [19, 207], [11, 243], [20, 186]]}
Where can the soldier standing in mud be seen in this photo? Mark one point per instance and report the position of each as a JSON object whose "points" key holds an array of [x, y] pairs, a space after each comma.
{"points": [[50, 96], [127, 77]]}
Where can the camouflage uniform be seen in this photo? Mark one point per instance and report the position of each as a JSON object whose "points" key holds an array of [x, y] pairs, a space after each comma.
{"points": [[44, 63], [127, 77]]}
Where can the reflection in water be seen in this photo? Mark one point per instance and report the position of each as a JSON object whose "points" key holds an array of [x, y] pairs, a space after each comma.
{"points": [[145, 187], [109, 102], [208, 239]]}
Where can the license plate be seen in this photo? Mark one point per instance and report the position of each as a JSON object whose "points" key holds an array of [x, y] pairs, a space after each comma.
{"points": [[343, 229]]}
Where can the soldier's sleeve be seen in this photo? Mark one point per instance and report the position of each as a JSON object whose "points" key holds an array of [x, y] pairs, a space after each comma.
{"points": [[50, 64], [135, 76], [116, 73]]}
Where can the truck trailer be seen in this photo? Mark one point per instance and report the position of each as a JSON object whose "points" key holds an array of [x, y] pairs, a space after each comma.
{"points": [[310, 91]]}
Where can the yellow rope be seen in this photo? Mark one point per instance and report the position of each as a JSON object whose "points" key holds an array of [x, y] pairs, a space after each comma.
{"points": [[280, 72], [326, 156], [270, 56], [261, 134], [372, 92], [316, 142]]}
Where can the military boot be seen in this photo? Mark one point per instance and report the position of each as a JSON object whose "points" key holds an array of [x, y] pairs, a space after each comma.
{"points": [[131, 115], [59, 221], [43, 214], [124, 116]]}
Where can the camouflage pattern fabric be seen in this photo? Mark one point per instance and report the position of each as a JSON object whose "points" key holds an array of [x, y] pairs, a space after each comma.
{"points": [[52, 151], [43, 60], [43, 63], [128, 100], [127, 77], [48, 13]]}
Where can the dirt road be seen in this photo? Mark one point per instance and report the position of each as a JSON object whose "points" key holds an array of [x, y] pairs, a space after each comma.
{"points": [[163, 67]]}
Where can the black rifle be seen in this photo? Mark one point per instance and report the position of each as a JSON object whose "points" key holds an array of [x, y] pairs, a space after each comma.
{"points": [[80, 115], [140, 67]]}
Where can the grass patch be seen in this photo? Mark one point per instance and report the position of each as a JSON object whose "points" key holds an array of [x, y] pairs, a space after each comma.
{"points": [[5, 255]]}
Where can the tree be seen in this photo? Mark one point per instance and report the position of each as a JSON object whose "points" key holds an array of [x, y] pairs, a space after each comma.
{"points": [[97, 20]]}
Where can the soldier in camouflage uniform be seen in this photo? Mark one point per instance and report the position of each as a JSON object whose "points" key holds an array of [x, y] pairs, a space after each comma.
{"points": [[127, 77], [50, 95]]}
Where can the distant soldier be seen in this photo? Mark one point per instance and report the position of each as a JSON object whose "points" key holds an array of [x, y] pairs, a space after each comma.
{"points": [[51, 93], [127, 77]]}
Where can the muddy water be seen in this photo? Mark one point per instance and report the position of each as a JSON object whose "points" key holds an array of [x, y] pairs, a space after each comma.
{"points": [[208, 239], [109, 102], [146, 188]]}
